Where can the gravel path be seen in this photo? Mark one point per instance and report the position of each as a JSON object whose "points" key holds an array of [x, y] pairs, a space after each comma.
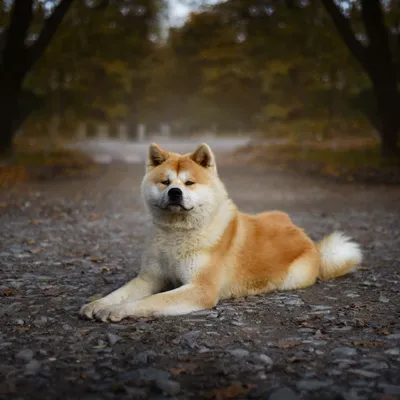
{"points": [[64, 242]]}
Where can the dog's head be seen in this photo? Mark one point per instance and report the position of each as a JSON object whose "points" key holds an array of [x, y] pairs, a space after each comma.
{"points": [[182, 190]]}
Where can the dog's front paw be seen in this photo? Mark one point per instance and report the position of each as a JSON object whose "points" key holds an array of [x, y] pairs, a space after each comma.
{"points": [[91, 309], [113, 313]]}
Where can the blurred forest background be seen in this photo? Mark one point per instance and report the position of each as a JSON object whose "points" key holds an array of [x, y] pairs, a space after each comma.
{"points": [[273, 68]]}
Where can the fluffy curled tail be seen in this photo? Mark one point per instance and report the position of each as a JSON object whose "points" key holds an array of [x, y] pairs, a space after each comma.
{"points": [[339, 254]]}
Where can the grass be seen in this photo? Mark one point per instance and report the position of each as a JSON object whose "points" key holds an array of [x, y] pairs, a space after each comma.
{"points": [[35, 160], [347, 159]]}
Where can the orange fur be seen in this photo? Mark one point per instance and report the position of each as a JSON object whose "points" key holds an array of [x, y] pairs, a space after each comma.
{"points": [[214, 250]]}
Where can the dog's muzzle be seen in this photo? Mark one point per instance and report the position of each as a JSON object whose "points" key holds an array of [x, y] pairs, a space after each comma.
{"points": [[175, 196]]}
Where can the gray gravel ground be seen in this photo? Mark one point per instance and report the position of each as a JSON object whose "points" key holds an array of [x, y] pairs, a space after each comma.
{"points": [[63, 242]]}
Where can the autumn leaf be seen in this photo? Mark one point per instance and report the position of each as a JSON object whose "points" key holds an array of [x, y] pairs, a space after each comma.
{"points": [[97, 259], [9, 292], [177, 371], [288, 343], [35, 250], [368, 344], [231, 392]]}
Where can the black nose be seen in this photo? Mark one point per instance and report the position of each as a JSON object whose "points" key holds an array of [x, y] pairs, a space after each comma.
{"points": [[175, 194]]}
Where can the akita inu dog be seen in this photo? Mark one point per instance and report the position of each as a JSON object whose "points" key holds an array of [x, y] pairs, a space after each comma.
{"points": [[209, 250]]}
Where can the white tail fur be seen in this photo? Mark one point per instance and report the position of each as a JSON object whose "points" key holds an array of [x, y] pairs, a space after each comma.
{"points": [[339, 254]]}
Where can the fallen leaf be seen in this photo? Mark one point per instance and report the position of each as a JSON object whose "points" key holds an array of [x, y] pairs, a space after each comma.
{"points": [[231, 392], [368, 344], [97, 259], [9, 292], [176, 371], [385, 331], [35, 250], [52, 292], [31, 241], [287, 343], [84, 331], [21, 329]]}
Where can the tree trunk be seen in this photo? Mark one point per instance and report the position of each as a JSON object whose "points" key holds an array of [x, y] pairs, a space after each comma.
{"points": [[9, 96], [388, 106], [378, 62], [17, 59]]}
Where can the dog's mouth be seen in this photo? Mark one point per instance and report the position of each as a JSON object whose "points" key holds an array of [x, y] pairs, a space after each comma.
{"points": [[176, 207]]}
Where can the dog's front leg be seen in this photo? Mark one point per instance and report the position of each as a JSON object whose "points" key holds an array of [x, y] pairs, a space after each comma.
{"points": [[142, 286], [179, 301]]}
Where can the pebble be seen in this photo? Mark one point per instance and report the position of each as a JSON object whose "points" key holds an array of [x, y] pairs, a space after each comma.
{"points": [[344, 351], [40, 321], [313, 384], [25, 355], [145, 356], [283, 394], [113, 339], [33, 367], [294, 302], [393, 352], [376, 365], [383, 299], [190, 338], [391, 390], [365, 374], [240, 353], [168, 386], [265, 359], [393, 336]]}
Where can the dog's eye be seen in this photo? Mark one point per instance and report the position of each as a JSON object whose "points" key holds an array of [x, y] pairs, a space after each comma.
{"points": [[166, 182], [189, 183]]}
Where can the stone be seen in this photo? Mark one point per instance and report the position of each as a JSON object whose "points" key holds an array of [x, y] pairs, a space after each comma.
{"points": [[240, 353], [33, 367], [265, 359], [393, 352], [313, 384], [283, 394], [365, 374], [25, 355], [168, 386], [113, 339], [344, 351], [393, 336], [145, 356], [145, 375], [391, 390]]}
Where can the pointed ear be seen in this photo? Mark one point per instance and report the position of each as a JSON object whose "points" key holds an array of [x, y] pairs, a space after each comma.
{"points": [[204, 156], [156, 156]]}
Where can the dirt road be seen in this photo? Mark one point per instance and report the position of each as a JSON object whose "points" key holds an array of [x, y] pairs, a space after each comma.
{"points": [[63, 242]]}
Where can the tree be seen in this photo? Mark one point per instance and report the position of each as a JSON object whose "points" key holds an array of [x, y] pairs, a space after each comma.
{"points": [[92, 70], [378, 61], [17, 58]]}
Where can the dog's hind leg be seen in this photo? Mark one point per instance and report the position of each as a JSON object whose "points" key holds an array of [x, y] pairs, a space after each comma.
{"points": [[302, 272]]}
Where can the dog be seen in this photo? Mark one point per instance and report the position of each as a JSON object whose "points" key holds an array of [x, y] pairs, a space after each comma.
{"points": [[209, 251]]}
